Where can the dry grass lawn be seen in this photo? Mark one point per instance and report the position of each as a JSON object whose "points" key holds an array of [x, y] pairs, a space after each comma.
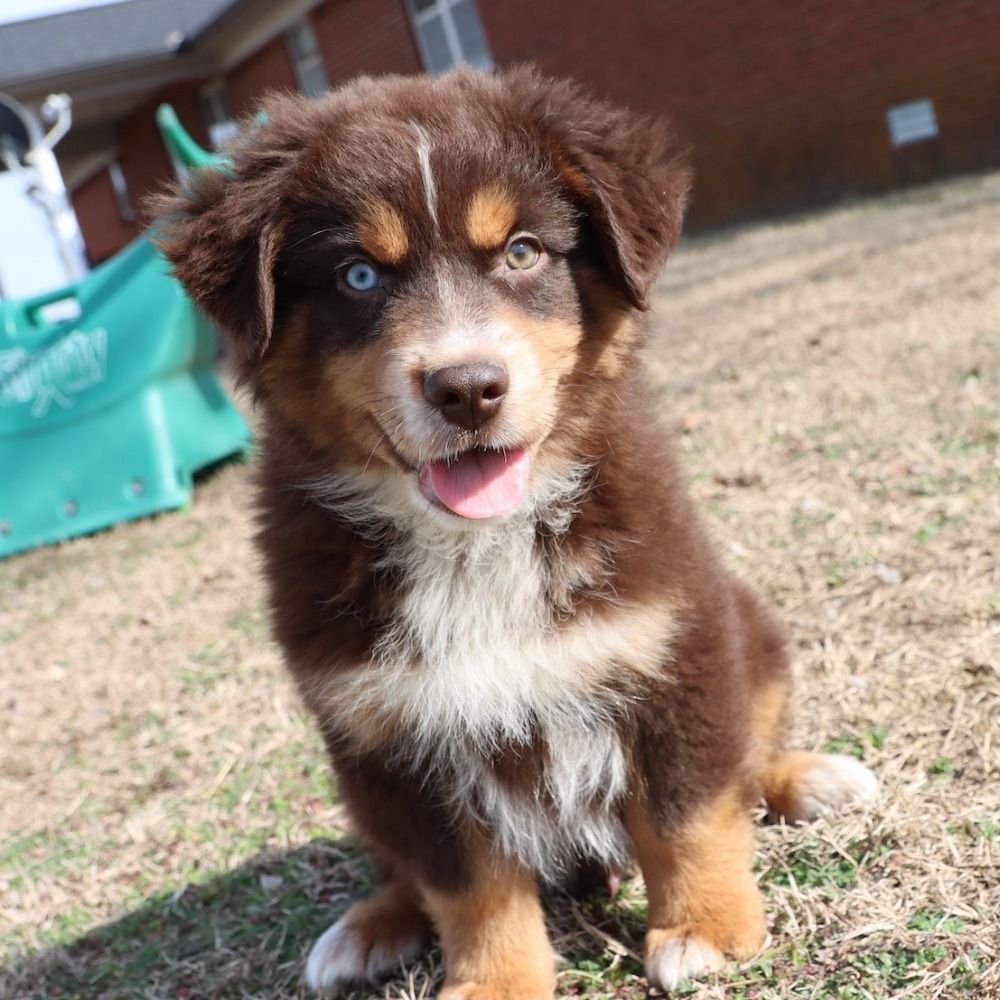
{"points": [[168, 828]]}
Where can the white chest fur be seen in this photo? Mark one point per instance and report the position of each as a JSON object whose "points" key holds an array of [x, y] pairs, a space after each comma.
{"points": [[473, 663]]}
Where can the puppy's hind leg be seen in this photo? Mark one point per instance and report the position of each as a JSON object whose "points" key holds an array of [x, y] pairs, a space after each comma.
{"points": [[801, 786], [372, 939]]}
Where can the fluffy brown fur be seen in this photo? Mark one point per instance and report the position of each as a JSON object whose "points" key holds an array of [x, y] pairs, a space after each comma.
{"points": [[573, 679]]}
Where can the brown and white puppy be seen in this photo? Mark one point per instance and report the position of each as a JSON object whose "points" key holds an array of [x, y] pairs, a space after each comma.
{"points": [[485, 573]]}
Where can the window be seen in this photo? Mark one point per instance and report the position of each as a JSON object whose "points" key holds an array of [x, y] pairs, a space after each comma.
{"points": [[449, 33], [217, 114], [307, 60], [911, 122]]}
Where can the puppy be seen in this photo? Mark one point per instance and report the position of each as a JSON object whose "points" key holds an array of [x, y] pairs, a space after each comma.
{"points": [[485, 573]]}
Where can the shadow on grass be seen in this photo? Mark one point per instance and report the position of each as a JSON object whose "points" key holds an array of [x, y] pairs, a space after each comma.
{"points": [[242, 934], [245, 934]]}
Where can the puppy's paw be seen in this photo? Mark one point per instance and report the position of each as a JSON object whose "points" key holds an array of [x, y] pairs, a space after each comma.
{"points": [[833, 781], [687, 951], [677, 954], [368, 942]]}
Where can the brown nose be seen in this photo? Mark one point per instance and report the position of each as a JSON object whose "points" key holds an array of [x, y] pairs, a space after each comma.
{"points": [[467, 395]]}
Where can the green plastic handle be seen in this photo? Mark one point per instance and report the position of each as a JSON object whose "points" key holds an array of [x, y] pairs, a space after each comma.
{"points": [[182, 147], [32, 306]]}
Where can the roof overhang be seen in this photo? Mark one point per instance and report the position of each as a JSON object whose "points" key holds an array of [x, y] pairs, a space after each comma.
{"points": [[105, 94]]}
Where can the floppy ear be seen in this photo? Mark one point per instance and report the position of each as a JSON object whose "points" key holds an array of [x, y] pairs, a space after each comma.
{"points": [[626, 171], [222, 233]]}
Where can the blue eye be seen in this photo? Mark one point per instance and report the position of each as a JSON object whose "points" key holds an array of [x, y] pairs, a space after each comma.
{"points": [[362, 277]]}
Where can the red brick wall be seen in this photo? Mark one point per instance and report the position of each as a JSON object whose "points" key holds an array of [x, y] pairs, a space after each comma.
{"points": [[365, 36], [142, 155], [145, 166], [784, 104], [267, 69], [104, 230]]}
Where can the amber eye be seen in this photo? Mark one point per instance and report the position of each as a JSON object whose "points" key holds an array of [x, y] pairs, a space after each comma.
{"points": [[522, 254]]}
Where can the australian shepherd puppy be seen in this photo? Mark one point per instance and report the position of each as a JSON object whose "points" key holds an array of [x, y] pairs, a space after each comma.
{"points": [[485, 572]]}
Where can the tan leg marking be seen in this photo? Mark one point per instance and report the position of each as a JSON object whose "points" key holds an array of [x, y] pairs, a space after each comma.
{"points": [[382, 233], [490, 217], [493, 937], [768, 714], [372, 939], [703, 902], [770, 706]]}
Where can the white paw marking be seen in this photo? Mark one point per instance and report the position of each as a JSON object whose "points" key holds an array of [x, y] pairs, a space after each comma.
{"points": [[682, 958], [340, 956], [836, 781]]}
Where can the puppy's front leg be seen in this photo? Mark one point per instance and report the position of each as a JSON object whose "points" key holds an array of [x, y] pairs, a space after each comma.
{"points": [[703, 902], [493, 936]]}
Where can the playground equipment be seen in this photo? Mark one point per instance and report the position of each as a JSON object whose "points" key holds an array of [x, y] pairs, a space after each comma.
{"points": [[40, 242], [106, 413], [185, 153]]}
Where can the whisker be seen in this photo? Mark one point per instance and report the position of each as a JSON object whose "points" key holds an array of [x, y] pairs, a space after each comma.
{"points": [[371, 454], [319, 232]]}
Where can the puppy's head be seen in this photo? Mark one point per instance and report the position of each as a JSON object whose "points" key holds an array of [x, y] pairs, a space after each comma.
{"points": [[434, 282]]}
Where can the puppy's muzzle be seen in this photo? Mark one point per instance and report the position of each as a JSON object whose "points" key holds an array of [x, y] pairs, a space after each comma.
{"points": [[469, 395]]}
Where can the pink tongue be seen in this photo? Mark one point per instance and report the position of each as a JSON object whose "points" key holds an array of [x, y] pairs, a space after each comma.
{"points": [[479, 483]]}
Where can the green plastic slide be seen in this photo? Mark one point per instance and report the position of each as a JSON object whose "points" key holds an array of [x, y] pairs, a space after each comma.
{"points": [[107, 415], [182, 148]]}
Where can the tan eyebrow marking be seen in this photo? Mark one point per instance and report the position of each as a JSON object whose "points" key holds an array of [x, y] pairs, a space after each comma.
{"points": [[382, 233], [490, 217]]}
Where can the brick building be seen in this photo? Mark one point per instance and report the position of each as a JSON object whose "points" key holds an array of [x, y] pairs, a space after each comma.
{"points": [[784, 105]]}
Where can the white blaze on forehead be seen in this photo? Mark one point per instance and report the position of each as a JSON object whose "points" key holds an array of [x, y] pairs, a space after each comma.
{"points": [[424, 161]]}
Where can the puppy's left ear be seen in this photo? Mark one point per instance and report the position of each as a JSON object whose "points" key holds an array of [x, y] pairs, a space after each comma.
{"points": [[626, 171]]}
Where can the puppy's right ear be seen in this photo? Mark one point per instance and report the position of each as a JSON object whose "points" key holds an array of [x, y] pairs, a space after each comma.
{"points": [[222, 232]]}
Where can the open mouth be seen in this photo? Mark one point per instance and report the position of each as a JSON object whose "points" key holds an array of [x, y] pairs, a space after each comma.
{"points": [[478, 483]]}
